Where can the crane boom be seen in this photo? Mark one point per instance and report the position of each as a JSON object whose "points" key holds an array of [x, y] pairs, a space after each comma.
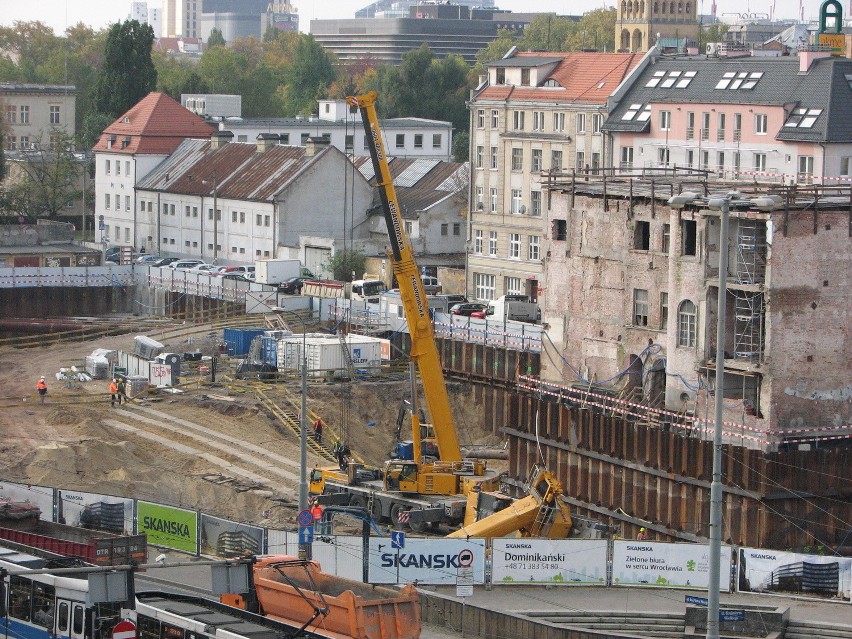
{"points": [[412, 294]]}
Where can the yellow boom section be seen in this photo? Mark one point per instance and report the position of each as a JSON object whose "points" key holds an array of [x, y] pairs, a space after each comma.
{"points": [[423, 348]]}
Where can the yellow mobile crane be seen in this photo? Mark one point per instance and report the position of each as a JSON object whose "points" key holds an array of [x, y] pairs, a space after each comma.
{"points": [[427, 488]]}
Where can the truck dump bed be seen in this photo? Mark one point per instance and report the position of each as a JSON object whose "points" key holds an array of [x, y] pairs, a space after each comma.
{"points": [[289, 590]]}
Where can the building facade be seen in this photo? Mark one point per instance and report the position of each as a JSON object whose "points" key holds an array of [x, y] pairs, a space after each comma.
{"points": [[180, 18], [34, 113], [535, 113], [639, 24]]}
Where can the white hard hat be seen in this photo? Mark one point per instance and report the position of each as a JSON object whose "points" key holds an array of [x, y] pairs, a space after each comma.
{"points": [[42, 377]]}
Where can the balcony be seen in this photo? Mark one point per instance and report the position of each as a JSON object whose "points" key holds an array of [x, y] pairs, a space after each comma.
{"points": [[720, 135], [690, 133], [705, 134]]}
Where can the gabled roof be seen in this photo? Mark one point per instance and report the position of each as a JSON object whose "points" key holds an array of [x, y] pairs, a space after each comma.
{"points": [[773, 82], [585, 77], [155, 125], [238, 171], [420, 183]]}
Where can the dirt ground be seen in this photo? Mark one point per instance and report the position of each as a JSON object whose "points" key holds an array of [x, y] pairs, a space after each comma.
{"points": [[156, 449]]}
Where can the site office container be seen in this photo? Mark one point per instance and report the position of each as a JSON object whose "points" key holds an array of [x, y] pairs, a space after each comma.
{"points": [[239, 339], [325, 355]]}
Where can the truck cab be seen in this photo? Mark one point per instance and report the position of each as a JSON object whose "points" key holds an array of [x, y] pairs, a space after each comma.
{"points": [[367, 290]]}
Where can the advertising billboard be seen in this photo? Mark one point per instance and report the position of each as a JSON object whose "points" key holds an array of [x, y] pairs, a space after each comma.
{"points": [[168, 526], [426, 561], [778, 572], [667, 565], [580, 562]]}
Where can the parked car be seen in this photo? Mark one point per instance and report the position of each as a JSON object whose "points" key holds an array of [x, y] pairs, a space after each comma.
{"points": [[147, 260], [202, 269], [240, 277], [165, 261], [480, 314], [468, 308], [237, 269], [184, 265], [453, 299], [292, 285]]}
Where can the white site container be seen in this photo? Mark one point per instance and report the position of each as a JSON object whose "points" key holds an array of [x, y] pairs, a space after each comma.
{"points": [[325, 356]]}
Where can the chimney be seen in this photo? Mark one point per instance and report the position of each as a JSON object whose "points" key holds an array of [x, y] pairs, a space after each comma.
{"points": [[810, 54], [220, 139], [266, 141], [313, 145]]}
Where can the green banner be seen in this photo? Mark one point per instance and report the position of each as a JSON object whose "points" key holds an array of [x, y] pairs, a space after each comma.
{"points": [[166, 526]]}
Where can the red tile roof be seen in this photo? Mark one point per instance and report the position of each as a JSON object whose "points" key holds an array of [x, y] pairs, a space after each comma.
{"points": [[587, 77], [156, 125]]}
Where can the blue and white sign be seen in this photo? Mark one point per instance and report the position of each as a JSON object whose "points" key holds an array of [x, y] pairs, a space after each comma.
{"points": [[305, 518], [732, 615], [695, 601], [426, 561], [306, 534], [666, 565], [397, 539], [579, 562]]}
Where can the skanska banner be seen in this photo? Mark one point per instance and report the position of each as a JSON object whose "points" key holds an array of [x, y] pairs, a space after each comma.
{"points": [[577, 562], [782, 573], [425, 561], [666, 565]]}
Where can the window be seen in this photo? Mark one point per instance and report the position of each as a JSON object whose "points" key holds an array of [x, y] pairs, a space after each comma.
{"points": [[640, 307], [479, 153], [535, 203], [150, 205], [436, 140], [581, 123], [107, 167], [535, 167], [142, 205], [479, 197], [501, 76], [118, 203], [480, 119], [517, 202], [495, 118], [492, 242], [664, 311], [667, 239], [556, 160], [266, 219], [705, 159], [581, 160], [705, 126], [118, 167], [400, 140], [117, 234], [642, 236], [806, 169], [665, 120], [456, 228], [515, 246], [688, 230], [720, 163], [25, 114], [738, 126], [690, 125], [597, 123], [844, 165], [512, 285], [195, 213], [558, 121], [663, 156], [107, 200], [54, 115], [734, 80], [525, 77], [626, 157], [517, 159], [20, 598], [518, 120], [493, 157], [534, 247], [25, 142], [445, 229], [720, 128], [686, 322], [126, 202], [761, 124], [418, 140], [493, 199], [257, 221], [760, 161], [801, 118], [477, 241], [409, 229], [538, 120], [690, 158], [596, 162], [11, 114], [559, 230], [485, 286], [303, 139]]}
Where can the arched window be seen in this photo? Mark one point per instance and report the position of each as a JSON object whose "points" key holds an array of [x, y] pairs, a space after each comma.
{"points": [[686, 323], [635, 6], [680, 7], [642, 8], [671, 7], [656, 7], [623, 7], [687, 7]]}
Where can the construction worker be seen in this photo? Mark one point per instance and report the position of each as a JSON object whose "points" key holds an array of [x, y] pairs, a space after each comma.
{"points": [[113, 393], [41, 387], [318, 430], [122, 390], [316, 513], [643, 534]]}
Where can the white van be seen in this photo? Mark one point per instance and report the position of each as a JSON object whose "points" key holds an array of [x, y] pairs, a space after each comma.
{"points": [[514, 307]]}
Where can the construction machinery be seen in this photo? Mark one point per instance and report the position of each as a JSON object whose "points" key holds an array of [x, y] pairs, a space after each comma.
{"points": [[430, 483]]}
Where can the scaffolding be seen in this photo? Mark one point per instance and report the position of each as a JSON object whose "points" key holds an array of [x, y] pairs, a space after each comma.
{"points": [[749, 305]]}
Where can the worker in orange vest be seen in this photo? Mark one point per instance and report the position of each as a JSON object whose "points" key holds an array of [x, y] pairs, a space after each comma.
{"points": [[113, 393], [41, 387], [316, 513]]}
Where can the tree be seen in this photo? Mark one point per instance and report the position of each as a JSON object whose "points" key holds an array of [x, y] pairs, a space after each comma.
{"points": [[128, 74], [713, 33], [308, 78], [216, 39], [176, 77], [346, 262], [45, 178], [546, 32], [461, 147], [496, 49], [595, 30], [93, 126]]}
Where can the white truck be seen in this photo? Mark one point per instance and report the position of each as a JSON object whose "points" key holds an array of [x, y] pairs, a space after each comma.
{"points": [[514, 307], [273, 272]]}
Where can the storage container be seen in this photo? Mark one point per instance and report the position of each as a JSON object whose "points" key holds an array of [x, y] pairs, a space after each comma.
{"points": [[269, 350], [239, 339], [325, 355], [146, 347]]}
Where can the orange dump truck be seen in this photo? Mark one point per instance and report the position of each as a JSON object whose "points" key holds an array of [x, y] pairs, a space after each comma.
{"points": [[297, 591]]}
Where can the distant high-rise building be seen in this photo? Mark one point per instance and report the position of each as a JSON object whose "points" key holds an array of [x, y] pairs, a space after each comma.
{"points": [[399, 8], [139, 12], [147, 14], [180, 18]]}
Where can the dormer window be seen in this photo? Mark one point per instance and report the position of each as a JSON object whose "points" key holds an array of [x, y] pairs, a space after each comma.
{"points": [[125, 141], [525, 77], [110, 141], [126, 120], [501, 76]]}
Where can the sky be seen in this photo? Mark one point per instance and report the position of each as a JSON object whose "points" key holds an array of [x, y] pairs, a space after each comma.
{"points": [[100, 13]]}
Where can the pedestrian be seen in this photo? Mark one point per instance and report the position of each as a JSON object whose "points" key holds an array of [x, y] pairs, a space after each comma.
{"points": [[643, 535], [122, 390], [41, 387], [318, 430], [113, 393]]}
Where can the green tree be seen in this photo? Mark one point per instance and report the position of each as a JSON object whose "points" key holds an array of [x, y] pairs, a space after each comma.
{"points": [[175, 77], [461, 147], [93, 126], [43, 180], [595, 30], [308, 78], [713, 33], [496, 49], [546, 32], [346, 262], [128, 74], [216, 39]]}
